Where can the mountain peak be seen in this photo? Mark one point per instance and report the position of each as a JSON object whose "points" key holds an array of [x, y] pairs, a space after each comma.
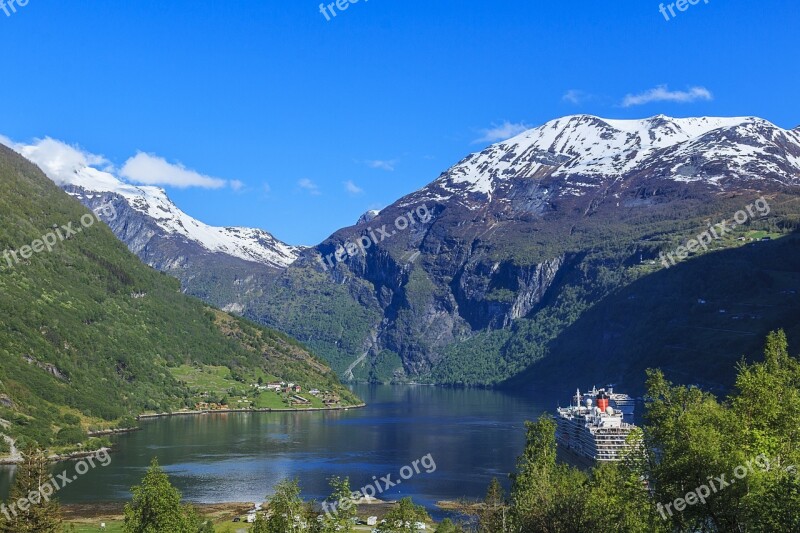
{"points": [[584, 151], [76, 172]]}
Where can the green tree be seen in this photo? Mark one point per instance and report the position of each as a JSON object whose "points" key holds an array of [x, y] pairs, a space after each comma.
{"points": [[340, 511], [617, 500], [42, 514], [493, 514], [767, 410], [447, 526], [546, 496], [287, 512], [690, 441], [695, 438], [404, 518], [260, 525], [156, 507]]}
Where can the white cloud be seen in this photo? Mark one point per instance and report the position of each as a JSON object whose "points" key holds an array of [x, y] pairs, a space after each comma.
{"points": [[352, 188], [382, 164], [151, 169], [6, 141], [501, 132], [57, 159], [309, 186], [576, 96], [663, 94], [60, 161]]}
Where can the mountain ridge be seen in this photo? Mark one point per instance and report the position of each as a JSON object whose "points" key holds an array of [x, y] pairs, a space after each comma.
{"points": [[531, 231], [81, 179], [90, 336]]}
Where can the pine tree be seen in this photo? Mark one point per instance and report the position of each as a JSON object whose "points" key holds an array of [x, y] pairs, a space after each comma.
{"points": [[492, 516], [32, 482], [156, 507]]}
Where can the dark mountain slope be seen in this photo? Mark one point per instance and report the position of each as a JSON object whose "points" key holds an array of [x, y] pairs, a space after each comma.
{"points": [[695, 321]]}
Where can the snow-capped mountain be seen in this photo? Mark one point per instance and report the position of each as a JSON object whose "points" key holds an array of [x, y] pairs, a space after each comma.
{"points": [[544, 223], [368, 216], [249, 244], [534, 230], [227, 266], [582, 154]]}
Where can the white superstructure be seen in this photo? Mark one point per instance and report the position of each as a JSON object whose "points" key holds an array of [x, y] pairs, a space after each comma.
{"points": [[592, 428]]}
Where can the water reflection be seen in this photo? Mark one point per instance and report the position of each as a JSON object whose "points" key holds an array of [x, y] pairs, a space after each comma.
{"points": [[473, 435]]}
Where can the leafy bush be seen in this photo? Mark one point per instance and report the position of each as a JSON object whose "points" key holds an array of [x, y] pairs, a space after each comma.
{"points": [[70, 435]]}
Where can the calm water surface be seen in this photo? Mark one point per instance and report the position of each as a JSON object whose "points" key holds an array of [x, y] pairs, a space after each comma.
{"points": [[473, 435]]}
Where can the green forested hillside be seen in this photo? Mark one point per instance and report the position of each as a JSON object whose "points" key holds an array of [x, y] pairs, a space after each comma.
{"points": [[88, 333], [611, 315]]}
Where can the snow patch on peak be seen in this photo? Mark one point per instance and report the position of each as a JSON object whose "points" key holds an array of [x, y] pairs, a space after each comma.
{"points": [[250, 244], [368, 216], [590, 146], [68, 166]]}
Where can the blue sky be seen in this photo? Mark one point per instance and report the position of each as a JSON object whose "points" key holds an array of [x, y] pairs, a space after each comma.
{"points": [[316, 121]]}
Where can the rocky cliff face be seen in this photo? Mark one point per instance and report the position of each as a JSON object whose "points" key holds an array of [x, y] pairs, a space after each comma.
{"points": [[493, 295], [518, 229], [493, 259]]}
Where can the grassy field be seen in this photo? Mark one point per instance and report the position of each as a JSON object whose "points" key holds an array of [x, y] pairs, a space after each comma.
{"points": [[111, 527], [87, 518], [78, 516], [116, 527], [215, 383]]}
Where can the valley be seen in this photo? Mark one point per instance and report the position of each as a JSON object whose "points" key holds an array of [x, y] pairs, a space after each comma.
{"points": [[418, 267], [518, 242]]}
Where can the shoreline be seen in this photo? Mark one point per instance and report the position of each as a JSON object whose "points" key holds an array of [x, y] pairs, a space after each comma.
{"points": [[221, 512], [118, 431], [261, 410], [59, 457], [76, 455]]}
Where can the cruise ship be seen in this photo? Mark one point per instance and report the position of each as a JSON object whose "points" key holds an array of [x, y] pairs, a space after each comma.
{"points": [[592, 429], [619, 401]]}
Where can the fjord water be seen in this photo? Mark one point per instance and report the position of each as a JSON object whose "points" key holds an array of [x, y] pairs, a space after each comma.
{"points": [[472, 435]]}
